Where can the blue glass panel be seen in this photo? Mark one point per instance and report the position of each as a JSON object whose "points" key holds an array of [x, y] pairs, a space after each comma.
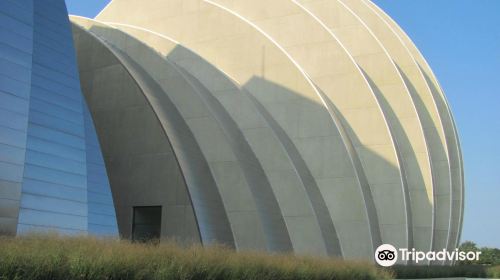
{"points": [[94, 155], [100, 188], [56, 99], [14, 103], [17, 12], [56, 123], [54, 46], [36, 187], [103, 230], [92, 144], [13, 39], [98, 198], [104, 220], [56, 87], [49, 48], [12, 137], [15, 63], [13, 120], [53, 21], [15, 71], [50, 204], [99, 179], [56, 136], [102, 209], [47, 61], [52, 33], [59, 78], [11, 172], [11, 23], [12, 154], [51, 219], [15, 55], [99, 193], [10, 190], [57, 111], [52, 148], [25, 4], [55, 162], [65, 186], [97, 170], [54, 176], [14, 87], [26, 229], [54, 7]]}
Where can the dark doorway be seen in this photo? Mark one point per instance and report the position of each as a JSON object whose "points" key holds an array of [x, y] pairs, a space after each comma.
{"points": [[146, 224]]}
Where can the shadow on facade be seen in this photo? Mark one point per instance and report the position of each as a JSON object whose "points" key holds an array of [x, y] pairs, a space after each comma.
{"points": [[143, 166]]}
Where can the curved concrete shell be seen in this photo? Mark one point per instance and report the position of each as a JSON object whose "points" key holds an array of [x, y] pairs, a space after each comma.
{"points": [[449, 223], [332, 69], [352, 85], [52, 174], [371, 55], [175, 150], [306, 126], [286, 176], [288, 95]]}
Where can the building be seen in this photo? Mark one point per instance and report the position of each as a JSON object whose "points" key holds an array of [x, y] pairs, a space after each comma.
{"points": [[52, 173], [314, 127]]}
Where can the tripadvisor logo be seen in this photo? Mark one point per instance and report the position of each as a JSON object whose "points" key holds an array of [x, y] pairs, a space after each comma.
{"points": [[388, 255]]}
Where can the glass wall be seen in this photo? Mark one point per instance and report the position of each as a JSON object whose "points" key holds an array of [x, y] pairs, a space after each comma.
{"points": [[54, 194], [101, 211], [16, 49], [52, 175]]}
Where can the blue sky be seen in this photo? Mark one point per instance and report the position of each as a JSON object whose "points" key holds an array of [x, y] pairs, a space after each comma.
{"points": [[461, 41]]}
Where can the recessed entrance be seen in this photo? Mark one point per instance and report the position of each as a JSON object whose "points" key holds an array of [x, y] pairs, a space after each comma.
{"points": [[146, 224]]}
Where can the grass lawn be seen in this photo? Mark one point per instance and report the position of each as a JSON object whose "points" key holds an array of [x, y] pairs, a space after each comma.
{"points": [[53, 257]]}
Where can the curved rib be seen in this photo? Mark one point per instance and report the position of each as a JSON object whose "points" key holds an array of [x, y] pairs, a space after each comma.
{"points": [[210, 214], [415, 153], [247, 67], [201, 101], [450, 133], [256, 130], [302, 47], [395, 99], [373, 222], [278, 238]]}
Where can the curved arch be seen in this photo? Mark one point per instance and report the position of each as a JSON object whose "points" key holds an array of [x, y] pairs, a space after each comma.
{"points": [[447, 124], [389, 86], [199, 105], [353, 155], [369, 52], [328, 232], [213, 224], [294, 89], [270, 212], [303, 47], [420, 96]]}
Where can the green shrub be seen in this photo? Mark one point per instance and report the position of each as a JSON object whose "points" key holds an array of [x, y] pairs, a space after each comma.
{"points": [[494, 272], [54, 257]]}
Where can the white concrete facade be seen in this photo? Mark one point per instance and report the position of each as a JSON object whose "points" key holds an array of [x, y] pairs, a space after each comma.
{"points": [[318, 125]]}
